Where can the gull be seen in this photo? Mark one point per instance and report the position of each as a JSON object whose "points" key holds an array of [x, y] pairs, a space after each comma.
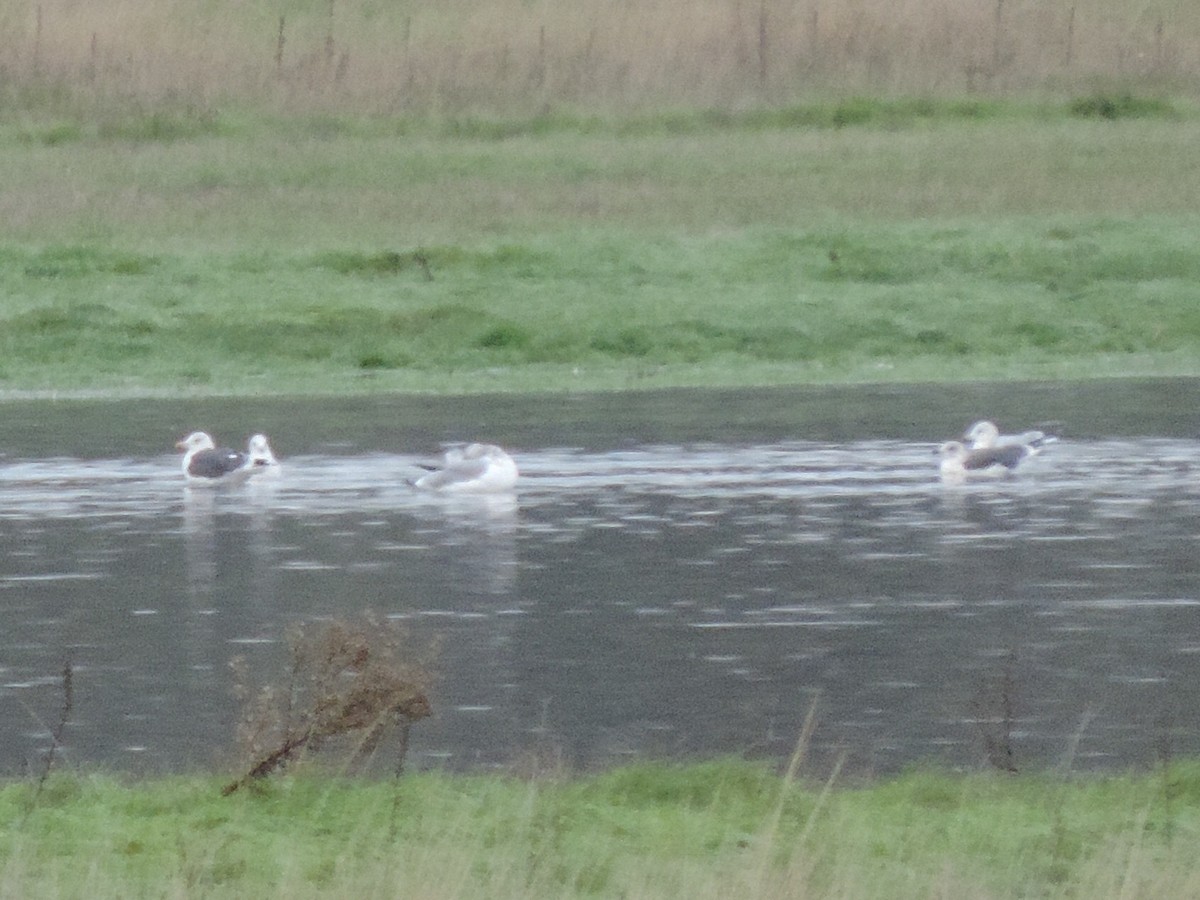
{"points": [[205, 462], [984, 434], [960, 462], [476, 468], [259, 457]]}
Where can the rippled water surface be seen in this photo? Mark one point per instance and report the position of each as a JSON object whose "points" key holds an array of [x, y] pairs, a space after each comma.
{"points": [[677, 574]]}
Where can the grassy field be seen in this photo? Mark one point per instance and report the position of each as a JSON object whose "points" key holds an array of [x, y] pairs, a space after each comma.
{"points": [[715, 829], [343, 197], [919, 243]]}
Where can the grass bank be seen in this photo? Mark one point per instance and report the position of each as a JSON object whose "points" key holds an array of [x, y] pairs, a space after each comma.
{"points": [[899, 247], [650, 830], [601, 309], [344, 198]]}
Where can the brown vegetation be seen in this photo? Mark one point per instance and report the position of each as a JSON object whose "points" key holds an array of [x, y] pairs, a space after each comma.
{"points": [[345, 681], [530, 56]]}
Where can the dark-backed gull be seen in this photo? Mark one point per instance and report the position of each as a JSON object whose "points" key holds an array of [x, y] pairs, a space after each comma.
{"points": [[960, 462]]}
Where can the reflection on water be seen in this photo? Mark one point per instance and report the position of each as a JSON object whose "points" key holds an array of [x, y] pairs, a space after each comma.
{"points": [[631, 598]]}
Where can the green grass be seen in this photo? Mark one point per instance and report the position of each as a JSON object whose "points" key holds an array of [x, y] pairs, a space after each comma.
{"points": [[915, 241], [272, 233], [849, 241], [602, 309], [373, 189], [170, 123], [716, 829]]}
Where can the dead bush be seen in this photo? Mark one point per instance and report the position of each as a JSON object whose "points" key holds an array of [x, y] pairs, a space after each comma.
{"points": [[347, 685]]}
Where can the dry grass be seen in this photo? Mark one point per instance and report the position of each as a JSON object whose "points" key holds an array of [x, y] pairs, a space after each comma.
{"points": [[348, 683], [526, 56]]}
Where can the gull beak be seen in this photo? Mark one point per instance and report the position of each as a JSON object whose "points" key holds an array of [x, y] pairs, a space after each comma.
{"points": [[180, 445]]}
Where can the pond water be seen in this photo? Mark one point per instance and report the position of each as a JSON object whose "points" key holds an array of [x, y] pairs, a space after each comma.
{"points": [[679, 573]]}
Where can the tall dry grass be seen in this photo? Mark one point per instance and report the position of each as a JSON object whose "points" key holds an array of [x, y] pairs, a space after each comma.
{"points": [[522, 56]]}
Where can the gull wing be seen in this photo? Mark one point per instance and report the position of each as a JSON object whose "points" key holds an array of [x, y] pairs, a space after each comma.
{"points": [[215, 463]]}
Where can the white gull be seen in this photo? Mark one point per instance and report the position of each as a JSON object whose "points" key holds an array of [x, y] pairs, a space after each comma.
{"points": [[476, 468], [984, 434], [260, 458]]}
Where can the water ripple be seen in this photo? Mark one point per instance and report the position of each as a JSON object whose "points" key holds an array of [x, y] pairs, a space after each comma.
{"points": [[1122, 475]]}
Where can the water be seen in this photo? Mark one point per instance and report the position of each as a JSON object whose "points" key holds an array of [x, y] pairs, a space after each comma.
{"points": [[680, 573]]}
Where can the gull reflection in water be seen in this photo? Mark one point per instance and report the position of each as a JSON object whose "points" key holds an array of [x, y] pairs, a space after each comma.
{"points": [[246, 516], [200, 540], [477, 539]]}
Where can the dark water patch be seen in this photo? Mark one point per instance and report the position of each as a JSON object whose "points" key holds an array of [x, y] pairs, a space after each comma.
{"points": [[89, 429]]}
